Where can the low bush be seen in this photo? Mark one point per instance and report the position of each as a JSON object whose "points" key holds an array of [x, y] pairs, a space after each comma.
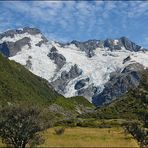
{"points": [[59, 130]]}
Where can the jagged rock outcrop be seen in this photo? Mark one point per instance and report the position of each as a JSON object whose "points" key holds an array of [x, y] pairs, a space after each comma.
{"points": [[81, 83], [12, 33], [11, 48], [61, 82], [113, 44], [28, 63], [126, 59], [119, 84], [88, 46], [131, 46], [4, 49], [122, 42], [58, 59]]}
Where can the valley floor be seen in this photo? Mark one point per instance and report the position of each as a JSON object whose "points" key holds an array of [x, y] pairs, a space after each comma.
{"points": [[88, 137]]}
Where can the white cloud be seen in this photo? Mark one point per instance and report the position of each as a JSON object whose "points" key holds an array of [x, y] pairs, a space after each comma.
{"points": [[85, 16], [137, 8]]}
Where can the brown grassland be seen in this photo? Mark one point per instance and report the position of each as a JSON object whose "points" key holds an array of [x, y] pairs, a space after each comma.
{"points": [[88, 137]]}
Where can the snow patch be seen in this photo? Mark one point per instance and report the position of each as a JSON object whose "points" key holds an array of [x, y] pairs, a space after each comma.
{"points": [[99, 67], [116, 42], [41, 63]]}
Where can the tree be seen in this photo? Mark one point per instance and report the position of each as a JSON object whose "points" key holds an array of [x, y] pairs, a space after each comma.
{"points": [[19, 125], [138, 132]]}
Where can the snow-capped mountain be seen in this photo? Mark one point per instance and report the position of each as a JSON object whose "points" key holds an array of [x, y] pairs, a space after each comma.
{"points": [[98, 70]]}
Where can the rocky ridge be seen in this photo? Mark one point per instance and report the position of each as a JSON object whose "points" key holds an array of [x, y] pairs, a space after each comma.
{"points": [[98, 70]]}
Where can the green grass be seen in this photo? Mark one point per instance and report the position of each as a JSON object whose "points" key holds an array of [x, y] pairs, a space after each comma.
{"points": [[71, 103], [17, 84], [101, 123]]}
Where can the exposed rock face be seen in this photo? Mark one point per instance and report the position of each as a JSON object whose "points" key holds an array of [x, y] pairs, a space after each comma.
{"points": [[58, 59], [130, 45], [88, 91], [4, 49], [133, 67], [61, 82], [11, 48], [43, 41], [32, 31], [112, 45], [28, 63], [17, 46], [80, 84], [122, 42], [88, 46], [119, 84], [11, 33], [126, 59]]}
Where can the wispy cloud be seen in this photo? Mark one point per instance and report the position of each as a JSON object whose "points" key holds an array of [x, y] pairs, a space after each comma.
{"points": [[138, 8], [77, 19]]}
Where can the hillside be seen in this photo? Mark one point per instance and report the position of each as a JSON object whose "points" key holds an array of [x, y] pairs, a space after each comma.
{"points": [[129, 111], [18, 85], [132, 106]]}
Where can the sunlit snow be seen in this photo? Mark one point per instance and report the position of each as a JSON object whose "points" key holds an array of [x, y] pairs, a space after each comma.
{"points": [[97, 68]]}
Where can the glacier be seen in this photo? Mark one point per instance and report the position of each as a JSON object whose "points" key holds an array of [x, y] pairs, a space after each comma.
{"points": [[97, 68]]}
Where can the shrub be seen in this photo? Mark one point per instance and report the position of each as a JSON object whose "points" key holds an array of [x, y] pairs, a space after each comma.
{"points": [[59, 130], [20, 124]]}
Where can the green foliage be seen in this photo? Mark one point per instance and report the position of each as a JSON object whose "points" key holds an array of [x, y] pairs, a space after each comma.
{"points": [[20, 124], [37, 140], [72, 122], [20, 86], [101, 123], [139, 132], [17, 84], [72, 103], [133, 105]]}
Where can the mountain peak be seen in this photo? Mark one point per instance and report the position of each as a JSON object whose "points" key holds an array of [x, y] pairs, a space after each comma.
{"points": [[129, 45], [111, 44], [12, 32]]}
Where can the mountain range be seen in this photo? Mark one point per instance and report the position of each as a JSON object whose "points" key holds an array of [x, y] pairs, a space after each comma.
{"points": [[98, 70]]}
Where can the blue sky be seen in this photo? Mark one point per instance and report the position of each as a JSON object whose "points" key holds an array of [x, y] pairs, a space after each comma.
{"points": [[83, 20]]}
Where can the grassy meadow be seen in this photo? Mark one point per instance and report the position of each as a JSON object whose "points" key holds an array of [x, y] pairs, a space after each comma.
{"points": [[88, 137]]}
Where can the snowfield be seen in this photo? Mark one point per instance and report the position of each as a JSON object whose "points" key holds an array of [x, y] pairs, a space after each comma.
{"points": [[96, 68]]}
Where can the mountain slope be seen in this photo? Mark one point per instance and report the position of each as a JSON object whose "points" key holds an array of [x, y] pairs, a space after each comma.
{"points": [[132, 105], [18, 85], [77, 68]]}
